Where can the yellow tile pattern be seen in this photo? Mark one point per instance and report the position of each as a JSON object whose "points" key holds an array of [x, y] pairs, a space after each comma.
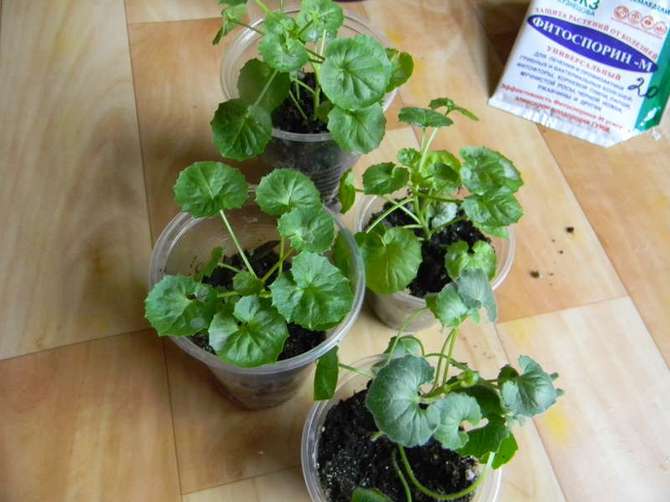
{"points": [[101, 105]]}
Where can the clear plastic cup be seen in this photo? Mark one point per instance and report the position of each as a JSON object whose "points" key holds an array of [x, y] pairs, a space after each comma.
{"points": [[186, 242], [393, 309], [349, 384], [316, 155]]}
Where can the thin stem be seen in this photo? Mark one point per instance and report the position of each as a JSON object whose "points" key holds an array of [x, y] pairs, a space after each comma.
{"points": [[401, 477], [302, 30], [229, 267], [266, 87], [356, 370], [237, 243], [451, 351], [240, 23], [454, 362], [227, 294], [439, 362], [440, 199], [295, 102], [400, 206], [303, 84], [281, 5], [281, 254], [263, 7], [439, 496], [404, 325], [316, 55], [274, 267]]}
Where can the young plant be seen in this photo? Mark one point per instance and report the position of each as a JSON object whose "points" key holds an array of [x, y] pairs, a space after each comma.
{"points": [[416, 397], [431, 200], [351, 78], [247, 324]]}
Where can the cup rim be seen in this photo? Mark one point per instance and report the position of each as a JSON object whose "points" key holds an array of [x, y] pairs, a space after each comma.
{"points": [[417, 302], [321, 408], [183, 222], [248, 36]]}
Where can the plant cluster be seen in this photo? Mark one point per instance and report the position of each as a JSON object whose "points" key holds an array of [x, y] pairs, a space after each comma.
{"points": [[431, 183], [416, 396], [352, 77], [247, 325]]}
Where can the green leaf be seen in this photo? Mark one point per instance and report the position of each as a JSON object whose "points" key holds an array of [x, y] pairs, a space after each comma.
{"points": [[359, 130], [423, 117], [247, 284], [210, 266], [179, 306], [391, 259], [205, 188], [530, 393], [485, 170], [319, 16], [253, 335], [405, 345], [347, 191], [253, 80], [402, 66], [475, 290], [323, 110], [384, 178], [231, 17], [451, 106], [409, 157], [279, 23], [218, 37], [314, 294], [232, 2], [488, 399], [448, 306], [282, 52], [285, 189], [308, 228], [491, 210], [325, 378], [395, 403], [485, 440], [459, 258], [241, 132], [368, 495], [454, 409], [442, 214], [356, 72], [508, 447], [343, 255]]}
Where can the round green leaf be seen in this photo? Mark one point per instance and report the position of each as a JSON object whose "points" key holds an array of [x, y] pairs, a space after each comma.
{"points": [[423, 117], [395, 403], [409, 157], [485, 170], [179, 306], [308, 229], [325, 377], [475, 290], [497, 209], [357, 131], [454, 409], [279, 23], [314, 294], [356, 72], [530, 393], [402, 66], [283, 52], [253, 80], [240, 131], [491, 438], [405, 345], [205, 188], [441, 214], [391, 260], [347, 191], [459, 258], [448, 306], [384, 178], [253, 335], [451, 106], [247, 284], [285, 189], [319, 16]]}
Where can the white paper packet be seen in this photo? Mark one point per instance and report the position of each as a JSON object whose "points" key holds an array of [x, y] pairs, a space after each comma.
{"points": [[595, 69]]}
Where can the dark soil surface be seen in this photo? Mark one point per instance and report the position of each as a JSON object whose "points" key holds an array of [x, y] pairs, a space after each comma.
{"points": [[347, 458], [287, 117], [432, 275], [262, 259]]}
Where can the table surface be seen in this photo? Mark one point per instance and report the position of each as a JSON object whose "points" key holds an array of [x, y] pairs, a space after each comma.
{"points": [[101, 105]]}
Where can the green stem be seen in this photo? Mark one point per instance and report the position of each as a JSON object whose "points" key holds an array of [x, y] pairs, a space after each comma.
{"points": [[440, 496], [400, 206], [295, 102], [266, 87], [454, 335], [303, 84], [240, 23], [281, 254], [229, 267], [404, 325], [401, 477], [356, 370], [237, 243], [439, 362], [440, 199], [276, 266], [316, 55], [263, 7], [454, 362], [396, 205], [227, 294]]}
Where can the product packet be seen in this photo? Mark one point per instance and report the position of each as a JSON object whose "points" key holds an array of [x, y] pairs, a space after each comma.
{"points": [[595, 69]]}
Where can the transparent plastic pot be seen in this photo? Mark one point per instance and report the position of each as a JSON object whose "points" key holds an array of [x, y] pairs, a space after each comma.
{"points": [[394, 309], [186, 242], [316, 155], [349, 384]]}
